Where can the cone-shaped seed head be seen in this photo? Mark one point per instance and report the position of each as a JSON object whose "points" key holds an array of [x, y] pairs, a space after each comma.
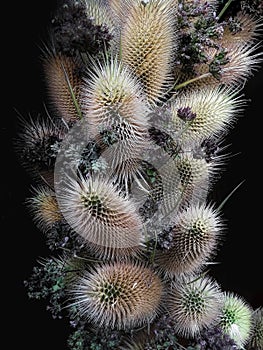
{"points": [[236, 318], [97, 211], [63, 85], [194, 303], [215, 109], [194, 240], [147, 42], [44, 207], [119, 295]]}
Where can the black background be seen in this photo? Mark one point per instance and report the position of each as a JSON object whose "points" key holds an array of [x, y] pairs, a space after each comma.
{"points": [[28, 324]]}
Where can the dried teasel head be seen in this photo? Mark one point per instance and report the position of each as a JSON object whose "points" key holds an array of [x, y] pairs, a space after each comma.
{"points": [[63, 82], [147, 40], [195, 239], [116, 112], [118, 295], [37, 143], [194, 304], [215, 111], [107, 220], [44, 207], [256, 336]]}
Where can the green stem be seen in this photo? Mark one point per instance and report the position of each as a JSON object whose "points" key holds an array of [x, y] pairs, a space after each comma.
{"points": [[187, 82], [224, 8]]}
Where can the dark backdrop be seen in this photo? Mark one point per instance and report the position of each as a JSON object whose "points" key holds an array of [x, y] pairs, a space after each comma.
{"points": [[28, 324]]}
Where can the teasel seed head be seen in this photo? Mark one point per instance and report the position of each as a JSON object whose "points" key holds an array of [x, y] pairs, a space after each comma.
{"points": [[114, 104], [102, 215], [147, 41], [242, 62], [195, 175], [215, 109], [63, 82], [236, 318], [44, 207], [247, 33], [194, 304], [256, 336], [118, 295], [195, 238], [37, 143], [111, 89], [100, 12]]}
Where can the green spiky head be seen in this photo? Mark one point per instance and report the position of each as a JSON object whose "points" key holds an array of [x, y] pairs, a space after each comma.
{"points": [[236, 318]]}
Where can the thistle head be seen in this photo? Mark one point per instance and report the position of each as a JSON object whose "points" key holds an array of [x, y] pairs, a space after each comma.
{"points": [[194, 304], [118, 295], [236, 318]]}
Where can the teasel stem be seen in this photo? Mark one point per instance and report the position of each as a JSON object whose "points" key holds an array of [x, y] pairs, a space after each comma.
{"points": [[75, 102], [224, 8], [187, 82]]}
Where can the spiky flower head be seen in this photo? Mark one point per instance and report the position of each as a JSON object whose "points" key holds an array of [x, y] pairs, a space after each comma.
{"points": [[195, 238], [256, 336], [147, 42], [118, 295], [236, 318], [44, 208], [216, 110], [194, 304], [63, 82], [99, 212]]}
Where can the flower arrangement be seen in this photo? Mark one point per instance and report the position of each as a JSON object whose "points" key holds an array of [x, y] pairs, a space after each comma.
{"points": [[141, 98]]}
